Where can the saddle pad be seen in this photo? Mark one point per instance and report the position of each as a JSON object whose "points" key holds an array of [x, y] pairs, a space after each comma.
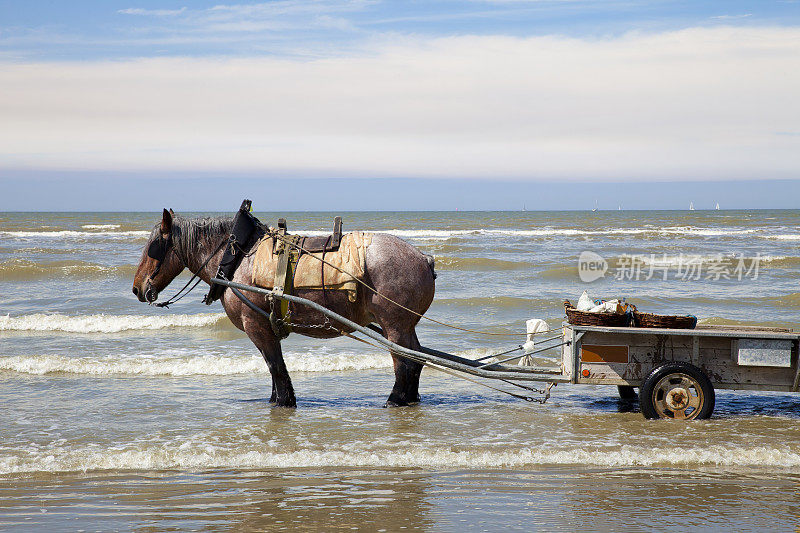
{"points": [[350, 258]]}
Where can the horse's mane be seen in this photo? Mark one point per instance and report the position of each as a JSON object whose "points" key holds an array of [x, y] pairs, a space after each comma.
{"points": [[190, 235]]}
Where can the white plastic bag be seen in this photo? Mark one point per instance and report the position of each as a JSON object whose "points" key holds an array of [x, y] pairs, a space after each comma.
{"points": [[533, 326], [584, 302], [609, 307]]}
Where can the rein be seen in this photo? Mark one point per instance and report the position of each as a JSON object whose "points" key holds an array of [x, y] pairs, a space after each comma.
{"points": [[178, 296]]}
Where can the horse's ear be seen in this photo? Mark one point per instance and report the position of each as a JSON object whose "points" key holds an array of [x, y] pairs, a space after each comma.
{"points": [[171, 212], [166, 223]]}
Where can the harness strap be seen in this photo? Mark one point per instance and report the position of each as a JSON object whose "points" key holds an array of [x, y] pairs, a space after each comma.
{"points": [[288, 256], [244, 225]]}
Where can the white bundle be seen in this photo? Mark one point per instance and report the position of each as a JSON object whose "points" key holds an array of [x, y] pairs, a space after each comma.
{"points": [[533, 326], [587, 304]]}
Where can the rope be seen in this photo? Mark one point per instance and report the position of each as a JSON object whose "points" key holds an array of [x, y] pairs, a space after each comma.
{"points": [[401, 306]]}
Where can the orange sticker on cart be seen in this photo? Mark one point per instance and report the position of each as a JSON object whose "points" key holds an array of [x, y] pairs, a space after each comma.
{"points": [[602, 353]]}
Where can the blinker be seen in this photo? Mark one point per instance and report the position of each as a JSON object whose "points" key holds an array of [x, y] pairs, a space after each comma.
{"points": [[158, 249]]}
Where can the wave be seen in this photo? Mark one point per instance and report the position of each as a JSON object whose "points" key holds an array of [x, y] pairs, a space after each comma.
{"points": [[720, 321], [71, 234], [108, 231], [569, 270], [23, 269], [688, 231], [184, 363], [664, 260], [503, 302], [784, 237], [564, 271], [101, 226], [704, 232], [106, 323], [202, 452], [180, 363], [477, 264], [189, 363]]}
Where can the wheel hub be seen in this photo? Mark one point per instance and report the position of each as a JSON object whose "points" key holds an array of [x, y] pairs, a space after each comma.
{"points": [[677, 399]]}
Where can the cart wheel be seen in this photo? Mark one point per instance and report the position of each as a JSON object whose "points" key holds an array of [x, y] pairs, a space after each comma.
{"points": [[627, 393], [677, 390]]}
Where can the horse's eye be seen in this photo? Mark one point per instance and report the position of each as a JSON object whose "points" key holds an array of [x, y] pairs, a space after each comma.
{"points": [[157, 249]]}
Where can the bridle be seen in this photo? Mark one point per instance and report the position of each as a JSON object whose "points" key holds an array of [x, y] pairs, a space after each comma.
{"points": [[158, 250]]}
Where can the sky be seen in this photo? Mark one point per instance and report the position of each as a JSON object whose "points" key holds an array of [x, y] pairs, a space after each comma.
{"points": [[460, 102]]}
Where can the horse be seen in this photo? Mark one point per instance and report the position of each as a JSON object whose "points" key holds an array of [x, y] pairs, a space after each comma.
{"points": [[393, 268]]}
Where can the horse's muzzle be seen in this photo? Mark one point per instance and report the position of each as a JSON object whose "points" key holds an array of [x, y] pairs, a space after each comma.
{"points": [[139, 294], [150, 294]]}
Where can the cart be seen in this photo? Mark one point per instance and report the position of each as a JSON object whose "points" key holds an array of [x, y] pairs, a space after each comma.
{"points": [[676, 370]]}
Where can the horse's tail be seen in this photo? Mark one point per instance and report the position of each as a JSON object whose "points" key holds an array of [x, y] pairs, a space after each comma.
{"points": [[431, 264]]}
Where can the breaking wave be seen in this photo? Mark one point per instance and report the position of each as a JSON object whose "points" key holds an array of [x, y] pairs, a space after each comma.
{"points": [[95, 231], [204, 451], [106, 323], [688, 231], [71, 234], [100, 226], [554, 232], [179, 363]]}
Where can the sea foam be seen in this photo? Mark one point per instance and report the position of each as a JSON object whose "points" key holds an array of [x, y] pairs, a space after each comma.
{"points": [[183, 363], [71, 234], [200, 453], [105, 323]]}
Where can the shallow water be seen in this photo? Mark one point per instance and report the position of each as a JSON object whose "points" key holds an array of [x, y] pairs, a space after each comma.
{"points": [[122, 416]]}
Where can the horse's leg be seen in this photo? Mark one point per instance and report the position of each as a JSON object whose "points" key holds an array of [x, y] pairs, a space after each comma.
{"points": [[281, 382], [273, 396], [406, 372], [270, 348], [405, 276]]}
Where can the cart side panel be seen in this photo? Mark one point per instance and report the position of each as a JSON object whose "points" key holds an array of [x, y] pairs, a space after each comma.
{"points": [[716, 356]]}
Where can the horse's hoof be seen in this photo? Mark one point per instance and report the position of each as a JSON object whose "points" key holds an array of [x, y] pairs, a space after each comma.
{"points": [[286, 403], [395, 401]]}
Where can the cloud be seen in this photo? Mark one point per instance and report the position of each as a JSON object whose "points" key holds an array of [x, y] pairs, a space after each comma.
{"points": [[732, 17], [285, 19], [152, 12], [701, 103]]}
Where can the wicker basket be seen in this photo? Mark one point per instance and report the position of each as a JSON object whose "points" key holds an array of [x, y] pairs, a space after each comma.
{"points": [[651, 320], [584, 318]]}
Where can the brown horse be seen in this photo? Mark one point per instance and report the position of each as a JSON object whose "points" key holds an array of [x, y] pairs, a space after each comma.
{"points": [[394, 268]]}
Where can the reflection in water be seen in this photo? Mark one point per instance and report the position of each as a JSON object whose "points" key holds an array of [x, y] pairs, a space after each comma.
{"points": [[556, 499]]}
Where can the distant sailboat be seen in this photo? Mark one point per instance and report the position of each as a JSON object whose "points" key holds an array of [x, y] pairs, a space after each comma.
{"points": [[717, 208], [595, 206], [691, 206], [619, 208]]}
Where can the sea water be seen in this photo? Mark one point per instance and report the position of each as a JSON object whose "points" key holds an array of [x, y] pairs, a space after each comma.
{"points": [[117, 415]]}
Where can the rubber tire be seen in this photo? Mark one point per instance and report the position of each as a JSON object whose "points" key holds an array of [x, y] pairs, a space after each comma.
{"points": [[646, 391], [627, 393]]}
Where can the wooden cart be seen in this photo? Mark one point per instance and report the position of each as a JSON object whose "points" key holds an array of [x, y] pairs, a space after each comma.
{"points": [[677, 370]]}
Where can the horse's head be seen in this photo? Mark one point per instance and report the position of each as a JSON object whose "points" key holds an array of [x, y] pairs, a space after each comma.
{"points": [[160, 263]]}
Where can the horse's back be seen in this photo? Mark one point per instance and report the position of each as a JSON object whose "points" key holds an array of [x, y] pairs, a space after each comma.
{"points": [[400, 271]]}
